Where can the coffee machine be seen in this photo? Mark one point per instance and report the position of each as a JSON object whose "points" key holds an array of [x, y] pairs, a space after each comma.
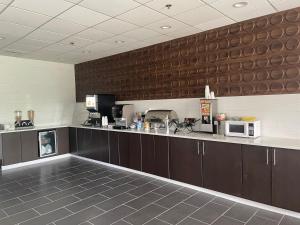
{"points": [[123, 116], [99, 105], [208, 110]]}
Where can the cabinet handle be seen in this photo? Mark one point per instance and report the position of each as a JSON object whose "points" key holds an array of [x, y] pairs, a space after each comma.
{"points": [[267, 156], [203, 148], [274, 157], [198, 148]]}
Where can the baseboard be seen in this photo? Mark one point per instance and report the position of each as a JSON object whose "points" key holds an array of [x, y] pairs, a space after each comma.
{"points": [[42, 160], [219, 194]]}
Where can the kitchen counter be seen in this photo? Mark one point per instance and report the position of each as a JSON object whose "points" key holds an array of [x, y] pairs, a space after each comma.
{"points": [[31, 129], [272, 142]]}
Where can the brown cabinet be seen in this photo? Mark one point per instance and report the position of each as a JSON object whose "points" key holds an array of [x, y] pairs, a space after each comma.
{"points": [[257, 167], [114, 156], [155, 155], [93, 144], [29, 145], [161, 145], [186, 160], [63, 143], [148, 154], [222, 167], [130, 150], [73, 140], [285, 179], [11, 148]]}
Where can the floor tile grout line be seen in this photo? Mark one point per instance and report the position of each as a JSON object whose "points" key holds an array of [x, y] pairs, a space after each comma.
{"points": [[187, 204], [184, 217]]}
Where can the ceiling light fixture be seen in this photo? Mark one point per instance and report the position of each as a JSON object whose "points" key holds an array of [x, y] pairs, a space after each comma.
{"points": [[2, 38], [165, 27], [240, 4], [119, 41]]}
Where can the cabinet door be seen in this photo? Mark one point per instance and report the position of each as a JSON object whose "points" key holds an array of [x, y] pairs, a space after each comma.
{"points": [[130, 150], [222, 167], [285, 179], [30, 148], [99, 146], [63, 144], [135, 151], [84, 142], [114, 157], [161, 146], [257, 173], [73, 140], [148, 154], [11, 148], [123, 147], [186, 160]]}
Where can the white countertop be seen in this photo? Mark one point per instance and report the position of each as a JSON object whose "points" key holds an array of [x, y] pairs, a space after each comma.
{"points": [[31, 129], [272, 142]]}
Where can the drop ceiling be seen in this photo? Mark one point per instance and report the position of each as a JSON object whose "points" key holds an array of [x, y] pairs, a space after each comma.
{"points": [[74, 31]]}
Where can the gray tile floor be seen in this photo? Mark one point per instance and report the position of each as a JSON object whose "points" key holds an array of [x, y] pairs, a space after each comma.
{"points": [[72, 191]]}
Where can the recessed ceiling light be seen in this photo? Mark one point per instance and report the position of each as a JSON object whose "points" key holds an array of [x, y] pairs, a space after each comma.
{"points": [[2, 38], [119, 41], [165, 27], [240, 4]]}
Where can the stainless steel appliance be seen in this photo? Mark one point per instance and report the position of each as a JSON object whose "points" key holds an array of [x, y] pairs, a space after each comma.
{"points": [[123, 115], [98, 106], [208, 110], [47, 143], [158, 118], [242, 129]]}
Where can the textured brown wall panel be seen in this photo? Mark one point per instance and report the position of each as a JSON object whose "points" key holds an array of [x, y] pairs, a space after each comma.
{"points": [[254, 57]]}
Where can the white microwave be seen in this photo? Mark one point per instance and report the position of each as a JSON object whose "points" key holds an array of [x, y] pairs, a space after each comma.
{"points": [[242, 129]]}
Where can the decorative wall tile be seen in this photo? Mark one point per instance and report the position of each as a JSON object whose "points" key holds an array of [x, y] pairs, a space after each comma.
{"points": [[255, 57]]}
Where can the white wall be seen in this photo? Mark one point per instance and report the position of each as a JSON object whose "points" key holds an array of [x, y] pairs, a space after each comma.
{"points": [[46, 87], [280, 114]]}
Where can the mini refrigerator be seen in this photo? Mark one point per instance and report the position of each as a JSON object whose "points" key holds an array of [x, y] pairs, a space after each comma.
{"points": [[47, 143]]}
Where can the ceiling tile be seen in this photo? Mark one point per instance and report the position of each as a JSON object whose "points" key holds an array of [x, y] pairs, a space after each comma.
{"points": [[285, 4], [30, 43], [23, 17], [158, 39], [21, 48], [184, 32], [115, 26], [46, 36], [142, 16], [143, 1], [51, 8], [94, 34], [83, 16], [2, 6], [175, 25], [97, 47], [141, 34], [199, 15], [74, 1], [252, 10], [58, 47], [112, 41], [14, 29], [111, 7], [8, 40], [219, 22], [63, 27], [6, 2], [78, 42], [178, 6]]}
